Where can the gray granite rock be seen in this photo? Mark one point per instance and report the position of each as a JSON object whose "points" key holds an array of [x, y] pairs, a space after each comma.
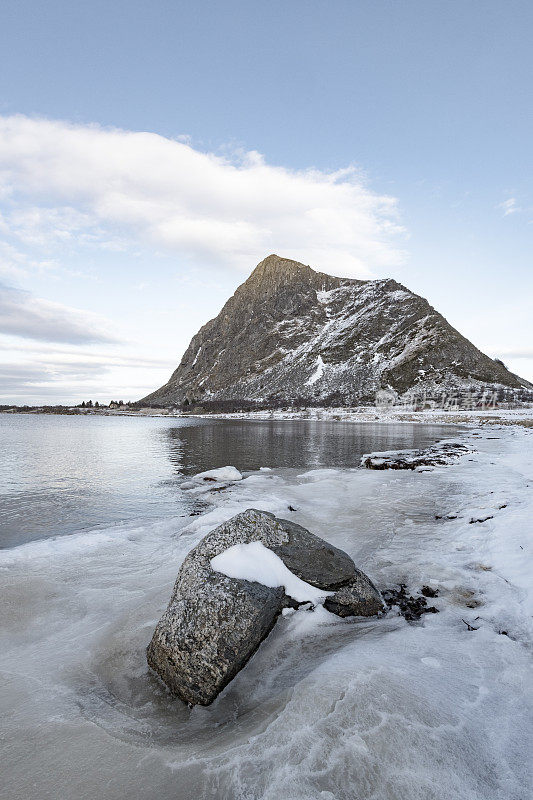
{"points": [[359, 598], [214, 624], [311, 558], [203, 641]]}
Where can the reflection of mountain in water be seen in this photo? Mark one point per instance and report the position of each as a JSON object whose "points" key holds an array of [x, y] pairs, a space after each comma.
{"points": [[300, 444]]}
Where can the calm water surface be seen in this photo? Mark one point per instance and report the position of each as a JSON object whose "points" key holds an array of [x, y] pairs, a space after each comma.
{"points": [[61, 474]]}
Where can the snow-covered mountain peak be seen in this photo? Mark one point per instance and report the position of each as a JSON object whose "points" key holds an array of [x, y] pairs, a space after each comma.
{"points": [[292, 333]]}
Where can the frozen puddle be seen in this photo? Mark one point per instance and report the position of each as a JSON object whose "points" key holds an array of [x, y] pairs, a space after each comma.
{"points": [[326, 709]]}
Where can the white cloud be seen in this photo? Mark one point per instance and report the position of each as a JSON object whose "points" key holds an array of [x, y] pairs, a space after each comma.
{"points": [[30, 317], [521, 352], [509, 207], [33, 373], [67, 353], [67, 184], [81, 201]]}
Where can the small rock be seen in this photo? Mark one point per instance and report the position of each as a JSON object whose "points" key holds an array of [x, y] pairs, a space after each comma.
{"points": [[409, 607], [420, 460], [359, 598]]}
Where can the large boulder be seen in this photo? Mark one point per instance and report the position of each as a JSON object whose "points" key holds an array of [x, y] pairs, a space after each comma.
{"points": [[214, 623]]}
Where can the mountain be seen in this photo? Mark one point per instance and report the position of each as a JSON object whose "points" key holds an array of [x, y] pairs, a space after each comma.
{"points": [[290, 333]]}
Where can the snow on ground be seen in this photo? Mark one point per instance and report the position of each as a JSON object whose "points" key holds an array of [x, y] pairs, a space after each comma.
{"points": [[255, 562], [220, 474], [327, 709]]}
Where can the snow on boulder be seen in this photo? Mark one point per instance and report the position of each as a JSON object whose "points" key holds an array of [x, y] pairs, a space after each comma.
{"points": [[255, 562], [226, 600], [220, 474]]}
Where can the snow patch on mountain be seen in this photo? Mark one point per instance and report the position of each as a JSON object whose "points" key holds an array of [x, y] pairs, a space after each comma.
{"points": [[317, 374]]}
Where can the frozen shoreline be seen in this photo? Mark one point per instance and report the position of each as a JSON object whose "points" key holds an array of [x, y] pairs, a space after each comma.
{"points": [[397, 414], [522, 416], [326, 708]]}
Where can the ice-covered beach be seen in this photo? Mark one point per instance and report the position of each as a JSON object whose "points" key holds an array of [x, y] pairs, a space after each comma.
{"points": [[327, 708]]}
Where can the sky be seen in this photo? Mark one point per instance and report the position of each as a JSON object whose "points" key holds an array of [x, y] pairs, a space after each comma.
{"points": [[152, 153]]}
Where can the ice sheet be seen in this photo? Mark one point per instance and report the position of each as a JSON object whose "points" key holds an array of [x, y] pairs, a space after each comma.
{"points": [[326, 708]]}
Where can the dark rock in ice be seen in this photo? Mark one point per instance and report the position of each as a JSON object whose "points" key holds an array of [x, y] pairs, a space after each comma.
{"points": [[408, 606], [358, 598], [214, 624], [437, 455]]}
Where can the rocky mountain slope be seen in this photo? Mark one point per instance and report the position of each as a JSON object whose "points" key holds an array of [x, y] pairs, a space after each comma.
{"points": [[291, 333]]}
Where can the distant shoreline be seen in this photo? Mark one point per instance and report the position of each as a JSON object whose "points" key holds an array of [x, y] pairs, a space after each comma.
{"points": [[495, 416]]}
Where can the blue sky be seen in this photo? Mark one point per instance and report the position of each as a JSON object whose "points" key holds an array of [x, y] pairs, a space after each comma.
{"points": [[364, 138]]}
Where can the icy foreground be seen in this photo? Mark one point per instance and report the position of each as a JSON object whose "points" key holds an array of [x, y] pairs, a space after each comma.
{"points": [[326, 708]]}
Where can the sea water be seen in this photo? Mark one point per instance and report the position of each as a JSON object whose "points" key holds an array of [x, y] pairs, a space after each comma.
{"points": [[63, 474]]}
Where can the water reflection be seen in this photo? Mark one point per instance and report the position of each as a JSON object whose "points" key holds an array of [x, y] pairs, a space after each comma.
{"points": [[302, 444]]}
